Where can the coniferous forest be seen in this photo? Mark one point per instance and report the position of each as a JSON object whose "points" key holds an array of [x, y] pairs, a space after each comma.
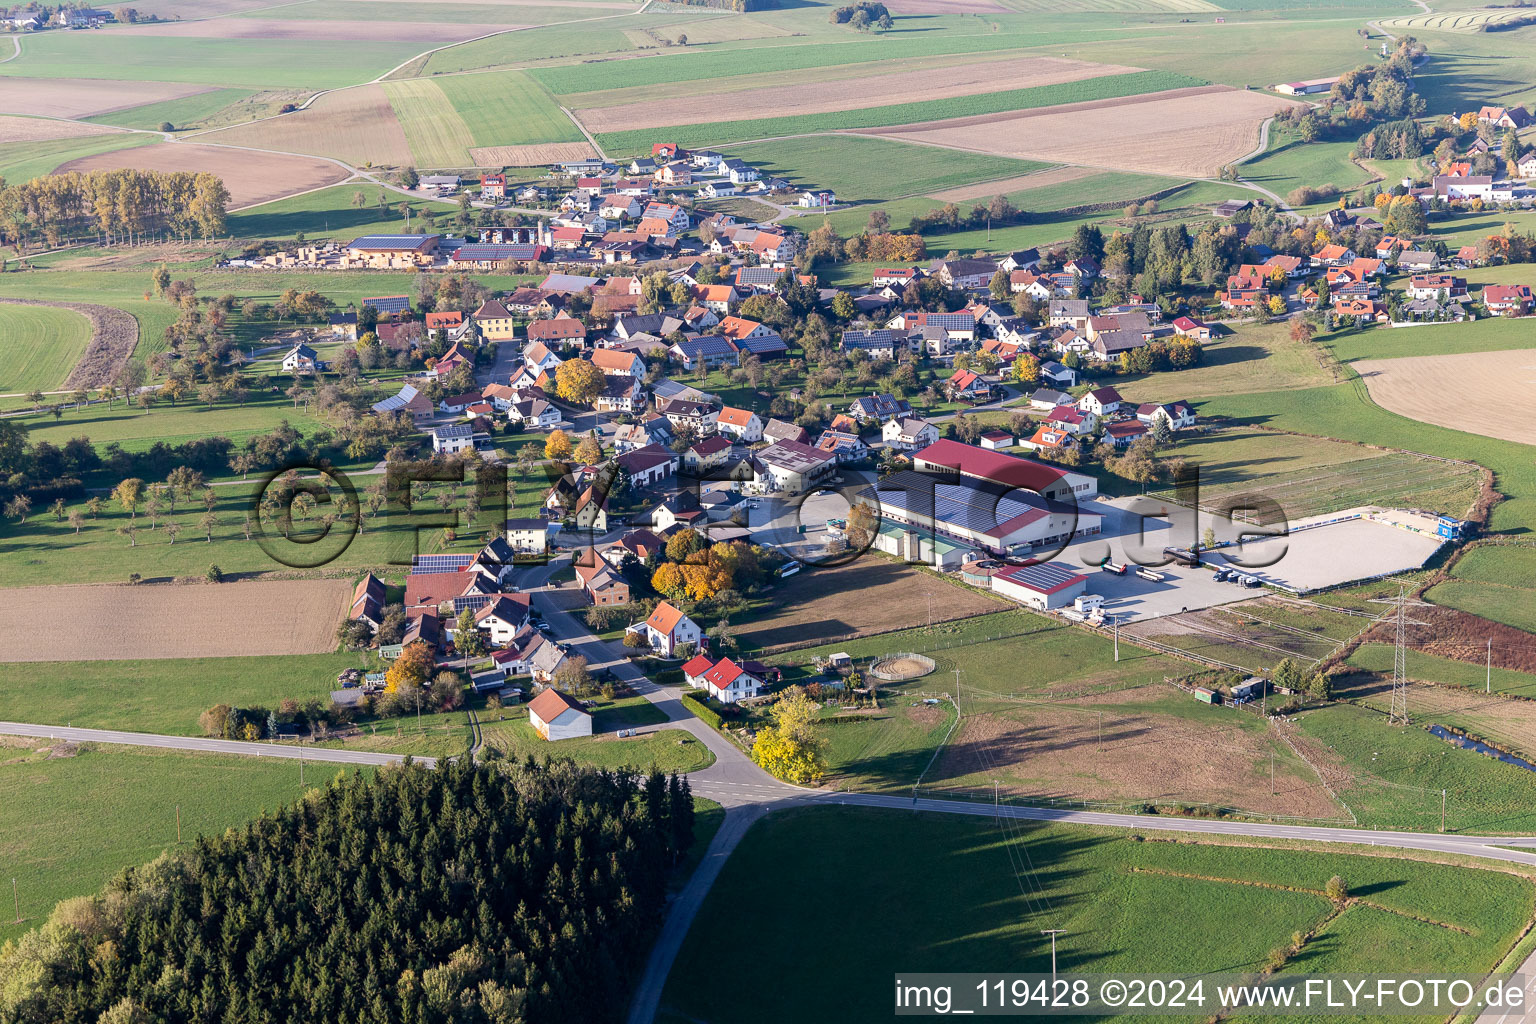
{"points": [[472, 893]]}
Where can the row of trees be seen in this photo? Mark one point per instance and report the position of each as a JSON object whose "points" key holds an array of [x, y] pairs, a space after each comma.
{"points": [[113, 206], [497, 894]]}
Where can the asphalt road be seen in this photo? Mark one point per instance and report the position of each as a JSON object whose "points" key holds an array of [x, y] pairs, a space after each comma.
{"points": [[204, 745], [748, 793]]}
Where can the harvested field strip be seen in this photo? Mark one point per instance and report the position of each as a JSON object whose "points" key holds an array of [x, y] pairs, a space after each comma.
{"points": [[1466, 391], [508, 109], [437, 134], [113, 336], [1108, 6], [106, 622], [1182, 132], [355, 125], [38, 129], [250, 177], [530, 156], [83, 97], [40, 346], [1013, 186], [907, 114], [782, 101]]}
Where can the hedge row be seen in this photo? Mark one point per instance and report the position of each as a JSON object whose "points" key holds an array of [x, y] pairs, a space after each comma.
{"points": [[703, 712]]}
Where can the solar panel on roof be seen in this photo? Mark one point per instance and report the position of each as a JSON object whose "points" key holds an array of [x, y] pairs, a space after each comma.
{"points": [[1044, 576], [389, 303], [474, 602], [425, 565]]}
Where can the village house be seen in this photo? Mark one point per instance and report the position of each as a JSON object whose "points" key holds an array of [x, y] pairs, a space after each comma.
{"points": [[907, 435], [967, 386], [1072, 420], [649, 466], [965, 273], [1416, 261], [725, 680], [410, 402], [705, 352], [1071, 313], [1442, 287], [1175, 415], [879, 408], [616, 363], [700, 416], [668, 629], [780, 430], [740, 424], [564, 331], [1057, 375], [1507, 299], [494, 321], [452, 438], [1123, 433], [301, 360], [1333, 256], [602, 583], [1101, 401]]}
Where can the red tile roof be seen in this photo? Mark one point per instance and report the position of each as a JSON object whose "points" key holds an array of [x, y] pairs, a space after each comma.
{"points": [[551, 704]]}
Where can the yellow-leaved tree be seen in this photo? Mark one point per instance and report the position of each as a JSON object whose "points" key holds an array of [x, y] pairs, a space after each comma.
{"points": [[578, 381], [789, 749], [413, 668], [557, 446]]}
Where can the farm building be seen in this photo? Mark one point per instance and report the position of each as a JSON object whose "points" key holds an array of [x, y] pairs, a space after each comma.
{"points": [[941, 519], [1041, 586], [555, 716], [1307, 87]]}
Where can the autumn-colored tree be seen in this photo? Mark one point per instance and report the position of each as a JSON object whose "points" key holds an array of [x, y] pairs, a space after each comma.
{"points": [[1301, 330], [590, 451], [128, 494], [578, 381], [557, 446], [789, 748], [413, 668], [1026, 368], [684, 543], [668, 580]]}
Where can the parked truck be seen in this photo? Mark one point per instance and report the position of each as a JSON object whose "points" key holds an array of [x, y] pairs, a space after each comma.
{"points": [[1114, 567], [1184, 556], [1151, 574]]}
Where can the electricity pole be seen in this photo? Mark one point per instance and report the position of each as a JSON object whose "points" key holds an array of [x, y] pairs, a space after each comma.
{"points": [[1488, 684], [1053, 932]]}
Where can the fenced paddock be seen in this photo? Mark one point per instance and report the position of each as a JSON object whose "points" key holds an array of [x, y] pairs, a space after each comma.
{"points": [[903, 666]]}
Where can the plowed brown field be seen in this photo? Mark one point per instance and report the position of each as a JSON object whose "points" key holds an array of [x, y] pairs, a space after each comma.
{"points": [[250, 177], [85, 97], [531, 155], [110, 622], [1471, 391], [1184, 132], [36, 129]]}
